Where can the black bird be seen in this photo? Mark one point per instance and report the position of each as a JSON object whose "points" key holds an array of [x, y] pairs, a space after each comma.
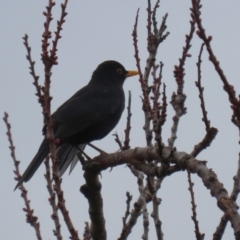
{"points": [[90, 114]]}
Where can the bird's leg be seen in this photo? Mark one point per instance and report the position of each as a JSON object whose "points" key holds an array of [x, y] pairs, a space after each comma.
{"points": [[83, 153], [96, 148]]}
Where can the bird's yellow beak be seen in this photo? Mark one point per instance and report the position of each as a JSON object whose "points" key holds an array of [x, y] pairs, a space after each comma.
{"points": [[131, 73]]}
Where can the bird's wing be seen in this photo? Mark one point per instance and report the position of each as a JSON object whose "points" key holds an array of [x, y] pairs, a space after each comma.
{"points": [[85, 108]]}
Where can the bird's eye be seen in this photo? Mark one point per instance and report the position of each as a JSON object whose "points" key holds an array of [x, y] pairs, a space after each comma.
{"points": [[119, 71]]}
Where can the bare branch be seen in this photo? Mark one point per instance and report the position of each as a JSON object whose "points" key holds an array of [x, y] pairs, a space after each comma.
{"points": [[179, 71], [32, 71], [30, 218], [234, 195], [87, 235], [149, 23], [142, 189], [118, 141], [184, 161], [128, 125], [127, 213], [48, 62], [52, 201], [135, 213], [155, 27], [201, 89], [47, 33], [155, 215], [235, 102], [92, 191], [221, 228], [177, 102], [53, 52], [206, 142], [156, 105], [199, 236], [179, 98]]}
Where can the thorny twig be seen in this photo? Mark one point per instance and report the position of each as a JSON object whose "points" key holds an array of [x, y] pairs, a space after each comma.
{"points": [[30, 218]]}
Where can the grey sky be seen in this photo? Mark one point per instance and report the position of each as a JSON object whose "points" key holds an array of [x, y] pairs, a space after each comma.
{"points": [[101, 30]]}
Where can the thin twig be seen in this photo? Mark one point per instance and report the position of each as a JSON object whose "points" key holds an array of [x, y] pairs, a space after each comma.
{"points": [[199, 236], [48, 62], [154, 39], [86, 234], [52, 201], [235, 102], [144, 197], [128, 124], [179, 98], [149, 23], [30, 218], [155, 215], [179, 71], [211, 132], [127, 212], [163, 114], [156, 106], [118, 141], [53, 51], [144, 86], [201, 89], [47, 33], [135, 213], [32, 71], [143, 83], [154, 21]]}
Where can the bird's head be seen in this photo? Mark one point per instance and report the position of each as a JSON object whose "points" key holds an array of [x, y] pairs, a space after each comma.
{"points": [[111, 73]]}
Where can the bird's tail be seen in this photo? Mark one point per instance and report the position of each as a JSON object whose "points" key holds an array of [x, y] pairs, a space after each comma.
{"points": [[67, 154], [42, 153]]}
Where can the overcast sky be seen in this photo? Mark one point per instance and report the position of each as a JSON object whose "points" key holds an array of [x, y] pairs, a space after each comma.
{"points": [[96, 31]]}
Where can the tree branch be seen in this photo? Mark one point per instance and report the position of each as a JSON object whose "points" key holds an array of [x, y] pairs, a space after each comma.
{"points": [[30, 218], [92, 191]]}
